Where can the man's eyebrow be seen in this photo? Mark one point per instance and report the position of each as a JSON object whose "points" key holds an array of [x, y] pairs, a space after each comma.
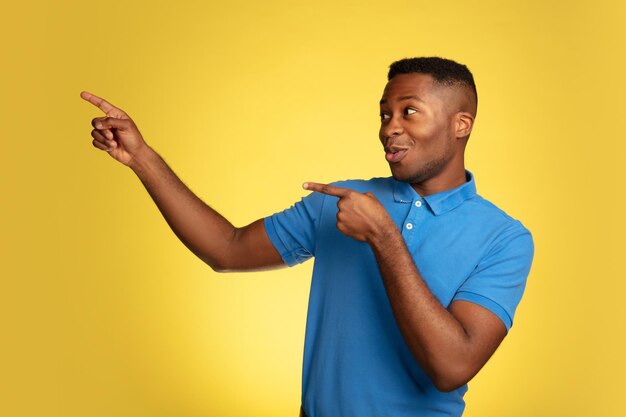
{"points": [[384, 100]]}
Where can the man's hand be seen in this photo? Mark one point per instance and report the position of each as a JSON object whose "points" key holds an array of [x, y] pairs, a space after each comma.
{"points": [[116, 133], [360, 216]]}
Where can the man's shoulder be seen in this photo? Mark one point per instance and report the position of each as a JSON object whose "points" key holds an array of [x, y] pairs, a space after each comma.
{"points": [[486, 212]]}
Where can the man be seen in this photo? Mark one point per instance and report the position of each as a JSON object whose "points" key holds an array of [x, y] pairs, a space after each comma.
{"points": [[416, 277]]}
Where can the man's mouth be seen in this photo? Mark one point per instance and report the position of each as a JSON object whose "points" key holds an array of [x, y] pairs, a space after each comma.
{"points": [[394, 154]]}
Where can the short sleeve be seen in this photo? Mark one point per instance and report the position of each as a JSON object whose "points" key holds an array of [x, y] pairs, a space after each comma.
{"points": [[498, 281], [293, 231]]}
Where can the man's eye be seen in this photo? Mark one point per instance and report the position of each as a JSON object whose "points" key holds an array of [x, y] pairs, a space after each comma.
{"points": [[384, 116], [409, 111]]}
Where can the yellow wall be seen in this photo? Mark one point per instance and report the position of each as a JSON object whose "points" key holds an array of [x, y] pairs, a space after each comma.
{"points": [[104, 313]]}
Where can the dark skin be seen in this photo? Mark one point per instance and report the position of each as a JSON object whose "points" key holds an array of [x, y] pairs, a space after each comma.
{"points": [[424, 130]]}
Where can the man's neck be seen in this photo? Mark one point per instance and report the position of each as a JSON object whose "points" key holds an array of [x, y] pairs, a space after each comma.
{"points": [[441, 183]]}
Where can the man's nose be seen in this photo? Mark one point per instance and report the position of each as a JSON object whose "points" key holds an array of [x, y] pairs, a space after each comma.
{"points": [[392, 128]]}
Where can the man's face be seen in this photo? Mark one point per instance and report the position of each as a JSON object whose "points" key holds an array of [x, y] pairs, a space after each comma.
{"points": [[416, 127]]}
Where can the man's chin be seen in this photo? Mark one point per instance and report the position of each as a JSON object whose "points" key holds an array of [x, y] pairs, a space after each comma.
{"points": [[409, 177], [398, 177], [402, 176]]}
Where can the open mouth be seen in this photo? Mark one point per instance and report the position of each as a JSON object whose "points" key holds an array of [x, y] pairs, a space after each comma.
{"points": [[395, 155]]}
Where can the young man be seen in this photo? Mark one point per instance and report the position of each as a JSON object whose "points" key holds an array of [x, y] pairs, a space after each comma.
{"points": [[416, 277]]}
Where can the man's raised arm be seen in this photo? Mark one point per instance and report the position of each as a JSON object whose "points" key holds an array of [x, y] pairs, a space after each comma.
{"points": [[204, 231]]}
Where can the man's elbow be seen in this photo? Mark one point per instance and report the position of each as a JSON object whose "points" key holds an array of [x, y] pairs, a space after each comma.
{"points": [[217, 264], [218, 268], [445, 385], [451, 379], [223, 267], [228, 264]]}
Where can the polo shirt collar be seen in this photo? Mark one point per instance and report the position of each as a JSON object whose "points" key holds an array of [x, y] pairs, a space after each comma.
{"points": [[439, 203]]}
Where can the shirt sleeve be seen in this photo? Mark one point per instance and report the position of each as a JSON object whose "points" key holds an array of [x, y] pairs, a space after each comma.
{"points": [[293, 231], [498, 281]]}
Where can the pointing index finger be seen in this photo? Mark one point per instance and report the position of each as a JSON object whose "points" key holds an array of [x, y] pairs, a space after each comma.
{"points": [[326, 189], [102, 104]]}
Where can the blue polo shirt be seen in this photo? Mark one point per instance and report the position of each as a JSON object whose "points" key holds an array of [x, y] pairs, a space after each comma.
{"points": [[356, 362]]}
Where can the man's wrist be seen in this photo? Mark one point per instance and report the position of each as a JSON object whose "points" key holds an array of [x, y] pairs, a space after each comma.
{"points": [[142, 159], [382, 236]]}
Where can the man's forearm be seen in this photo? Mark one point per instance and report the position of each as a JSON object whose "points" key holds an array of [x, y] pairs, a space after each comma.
{"points": [[436, 338], [203, 230], [450, 344]]}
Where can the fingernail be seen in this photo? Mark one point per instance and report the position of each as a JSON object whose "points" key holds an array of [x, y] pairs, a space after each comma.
{"points": [[98, 125], [305, 185]]}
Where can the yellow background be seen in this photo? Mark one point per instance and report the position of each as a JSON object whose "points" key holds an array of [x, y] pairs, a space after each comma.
{"points": [[103, 312]]}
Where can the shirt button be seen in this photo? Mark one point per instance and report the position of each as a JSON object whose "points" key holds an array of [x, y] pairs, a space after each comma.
{"points": [[418, 204], [409, 226]]}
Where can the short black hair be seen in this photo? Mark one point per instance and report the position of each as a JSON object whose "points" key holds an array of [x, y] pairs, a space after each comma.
{"points": [[444, 71]]}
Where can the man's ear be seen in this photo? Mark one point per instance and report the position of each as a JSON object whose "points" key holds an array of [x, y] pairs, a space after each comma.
{"points": [[463, 124]]}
